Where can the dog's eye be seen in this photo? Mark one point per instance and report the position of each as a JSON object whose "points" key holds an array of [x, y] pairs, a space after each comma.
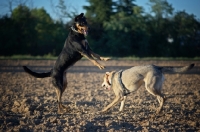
{"points": [[81, 24]]}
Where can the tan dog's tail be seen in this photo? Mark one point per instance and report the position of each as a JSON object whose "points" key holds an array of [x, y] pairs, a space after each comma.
{"points": [[177, 69]]}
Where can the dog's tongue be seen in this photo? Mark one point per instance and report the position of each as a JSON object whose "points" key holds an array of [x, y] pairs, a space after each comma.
{"points": [[85, 32], [108, 88]]}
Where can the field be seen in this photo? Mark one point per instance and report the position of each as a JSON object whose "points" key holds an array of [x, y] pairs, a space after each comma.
{"points": [[29, 104]]}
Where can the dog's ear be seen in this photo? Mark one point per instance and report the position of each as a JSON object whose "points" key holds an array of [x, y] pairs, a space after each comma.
{"points": [[107, 73], [79, 16], [76, 18]]}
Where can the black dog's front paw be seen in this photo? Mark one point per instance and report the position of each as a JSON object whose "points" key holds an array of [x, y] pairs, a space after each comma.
{"points": [[101, 67], [105, 58]]}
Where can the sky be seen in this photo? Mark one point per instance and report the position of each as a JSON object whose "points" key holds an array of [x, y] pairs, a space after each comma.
{"points": [[190, 6]]}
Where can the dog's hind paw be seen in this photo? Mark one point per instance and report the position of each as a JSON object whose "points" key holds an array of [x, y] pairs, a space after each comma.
{"points": [[158, 111], [63, 109], [103, 111]]}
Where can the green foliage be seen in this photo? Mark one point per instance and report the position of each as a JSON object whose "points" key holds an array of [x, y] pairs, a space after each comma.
{"points": [[161, 8], [119, 28], [31, 32], [99, 13], [62, 11]]}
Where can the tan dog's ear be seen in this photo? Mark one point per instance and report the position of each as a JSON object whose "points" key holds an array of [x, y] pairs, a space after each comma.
{"points": [[107, 73]]}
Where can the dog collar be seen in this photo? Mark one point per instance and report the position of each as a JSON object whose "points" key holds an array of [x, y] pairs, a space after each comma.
{"points": [[125, 90], [112, 79], [73, 29]]}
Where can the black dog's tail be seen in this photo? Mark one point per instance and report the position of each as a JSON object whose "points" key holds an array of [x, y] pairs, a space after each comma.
{"points": [[37, 75], [177, 69]]}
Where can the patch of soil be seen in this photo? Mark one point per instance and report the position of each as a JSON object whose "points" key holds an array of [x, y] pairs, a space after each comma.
{"points": [[29, 104]]}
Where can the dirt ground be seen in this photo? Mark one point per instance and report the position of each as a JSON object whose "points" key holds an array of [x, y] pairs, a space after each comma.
{"points": [[29, 104]]}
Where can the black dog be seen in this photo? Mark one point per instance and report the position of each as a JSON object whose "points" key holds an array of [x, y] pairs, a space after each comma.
{"points": [[76, 46]]}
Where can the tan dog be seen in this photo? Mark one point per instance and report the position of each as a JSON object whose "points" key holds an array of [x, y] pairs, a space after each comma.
{"points": [[130, 80]]}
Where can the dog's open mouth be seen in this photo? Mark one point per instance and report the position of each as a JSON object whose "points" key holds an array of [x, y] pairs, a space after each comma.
{"points": [[108, 87], [84, 32]]}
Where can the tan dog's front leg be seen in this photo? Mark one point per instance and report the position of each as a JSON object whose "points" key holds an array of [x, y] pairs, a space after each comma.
{"points": [[122, 104], [115, 101]]}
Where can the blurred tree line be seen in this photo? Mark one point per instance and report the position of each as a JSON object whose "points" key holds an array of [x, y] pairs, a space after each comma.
{"points": [[118, 28]]}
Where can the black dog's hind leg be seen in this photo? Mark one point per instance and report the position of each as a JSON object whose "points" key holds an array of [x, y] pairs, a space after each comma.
{"points": [[60, 85], [63, 89]]}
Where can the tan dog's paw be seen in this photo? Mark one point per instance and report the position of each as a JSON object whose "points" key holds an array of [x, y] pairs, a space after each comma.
{"points": [[105, 59], [104, 111]]}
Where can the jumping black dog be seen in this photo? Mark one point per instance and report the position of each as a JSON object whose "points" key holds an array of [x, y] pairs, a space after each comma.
{"points": [[75, 47]]}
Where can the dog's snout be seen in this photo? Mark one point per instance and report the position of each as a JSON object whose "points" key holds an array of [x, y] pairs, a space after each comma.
{"points": [[103, 85]]}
